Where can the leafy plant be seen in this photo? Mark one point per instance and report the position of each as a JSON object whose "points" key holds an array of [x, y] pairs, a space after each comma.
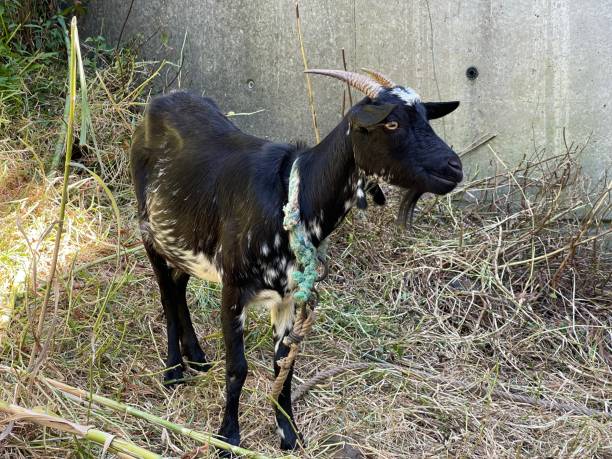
{"points": [[31, 40]]}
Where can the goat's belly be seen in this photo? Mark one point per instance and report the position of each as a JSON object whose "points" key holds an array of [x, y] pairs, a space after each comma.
{"points": [[195, 264], [266, 298], [199, 265]]}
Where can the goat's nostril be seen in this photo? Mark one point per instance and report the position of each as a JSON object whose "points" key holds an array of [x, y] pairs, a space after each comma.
{"points": [[455, 163]]}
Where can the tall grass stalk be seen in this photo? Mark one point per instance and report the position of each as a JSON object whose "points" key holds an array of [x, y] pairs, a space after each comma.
{"points": [[72, 64], [313, 112], [202, 437], [121, 447]]}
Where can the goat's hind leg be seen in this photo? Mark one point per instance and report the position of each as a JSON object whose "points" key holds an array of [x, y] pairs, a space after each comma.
{"points": [[169, 292], [283, 316], [190, 346]]}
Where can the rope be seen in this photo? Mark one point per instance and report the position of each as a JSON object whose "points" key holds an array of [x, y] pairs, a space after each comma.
{"points": [[562, 407], [326, 374], [301, 327], [305, 276], [305, 252]]}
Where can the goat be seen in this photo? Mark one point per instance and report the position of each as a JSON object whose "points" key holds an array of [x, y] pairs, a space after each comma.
{"points": [[210, 201]]}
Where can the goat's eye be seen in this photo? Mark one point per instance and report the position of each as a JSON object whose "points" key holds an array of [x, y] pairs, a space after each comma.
{"points": [[391, 125]]}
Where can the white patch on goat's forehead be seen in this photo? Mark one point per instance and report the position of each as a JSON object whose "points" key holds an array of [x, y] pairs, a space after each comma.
{"points": [[408, 95]]}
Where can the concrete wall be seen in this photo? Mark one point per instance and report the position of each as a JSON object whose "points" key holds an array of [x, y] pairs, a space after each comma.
{"points": [[544, 65]]}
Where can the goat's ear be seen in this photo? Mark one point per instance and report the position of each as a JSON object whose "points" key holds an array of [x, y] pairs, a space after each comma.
{"points": [[369, 115], [439, 109]]}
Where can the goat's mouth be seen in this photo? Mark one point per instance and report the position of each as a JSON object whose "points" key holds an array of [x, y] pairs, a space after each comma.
{"points": [[435, 183], [442, 179], [440, 184]]}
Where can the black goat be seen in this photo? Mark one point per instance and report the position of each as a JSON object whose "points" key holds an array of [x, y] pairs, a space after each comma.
{"points": [[210, 203]]}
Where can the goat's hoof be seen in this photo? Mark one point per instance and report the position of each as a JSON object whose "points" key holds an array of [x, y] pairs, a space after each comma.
{"points": [[226, 454], [290, 441], [200, 366], [197, 361], [173, 376], [231, 438]]}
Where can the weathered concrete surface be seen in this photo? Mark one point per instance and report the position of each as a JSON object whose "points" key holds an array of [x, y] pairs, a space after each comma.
{"points": [[544, 65]]}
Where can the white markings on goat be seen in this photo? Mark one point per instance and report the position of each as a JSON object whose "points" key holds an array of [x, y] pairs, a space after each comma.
{"points": [[280, 432], [197, 264], [282, 264], [347, 204], [266, 298], [315, 228], [270, 275], [145, 230], [289, 274], [407, 95], [265, 250], [242, 318], [360, 193], [249, 239], [277, 241], [162, 233], [282, 316]]}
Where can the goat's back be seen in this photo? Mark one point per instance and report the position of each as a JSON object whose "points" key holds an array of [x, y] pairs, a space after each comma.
{"points": [[182, 115], [202, 184], [185, 139]]}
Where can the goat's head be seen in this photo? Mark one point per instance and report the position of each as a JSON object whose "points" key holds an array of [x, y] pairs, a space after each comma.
{"points": [[392, 138]]}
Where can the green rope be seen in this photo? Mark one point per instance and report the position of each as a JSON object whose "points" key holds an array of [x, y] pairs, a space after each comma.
{"points": [[305, 252]]}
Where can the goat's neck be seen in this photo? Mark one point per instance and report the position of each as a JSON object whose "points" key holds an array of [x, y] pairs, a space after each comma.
{"points": [[328, 182]]}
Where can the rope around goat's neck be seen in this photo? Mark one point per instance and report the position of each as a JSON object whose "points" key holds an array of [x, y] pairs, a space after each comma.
{"points": [[306, 255]]}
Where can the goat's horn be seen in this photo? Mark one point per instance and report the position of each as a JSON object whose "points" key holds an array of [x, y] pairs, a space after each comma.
{"points": [[380, 78], [363, 83]]}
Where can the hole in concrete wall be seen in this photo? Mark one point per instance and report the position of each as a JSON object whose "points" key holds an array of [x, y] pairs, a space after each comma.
{"points": [[250, 84], [471, 73]]}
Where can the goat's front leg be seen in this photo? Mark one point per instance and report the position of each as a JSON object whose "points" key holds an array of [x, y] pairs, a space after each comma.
{"points": [[283, 316], [232, 319]]}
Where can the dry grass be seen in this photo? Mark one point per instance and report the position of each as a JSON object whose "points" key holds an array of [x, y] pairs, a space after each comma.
{"points": [[500, 290]]}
